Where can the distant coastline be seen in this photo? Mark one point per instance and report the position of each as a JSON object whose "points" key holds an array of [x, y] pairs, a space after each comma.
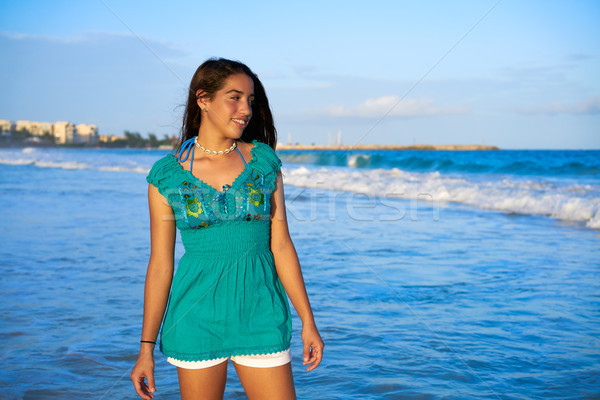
{"points": [[465, 147]]}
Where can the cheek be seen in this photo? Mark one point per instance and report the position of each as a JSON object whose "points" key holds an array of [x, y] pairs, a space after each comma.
{"points": [[228, 109]]}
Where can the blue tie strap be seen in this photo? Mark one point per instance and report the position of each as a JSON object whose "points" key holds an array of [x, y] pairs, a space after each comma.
{"points": [[187, 146], [245, 163]]}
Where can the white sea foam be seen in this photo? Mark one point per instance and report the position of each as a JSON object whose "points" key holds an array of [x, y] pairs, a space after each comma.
{"points": [[43, 160], [358, 160], [121, 168], [62, 164], [566, 202], [17, 161], [543, 196]]}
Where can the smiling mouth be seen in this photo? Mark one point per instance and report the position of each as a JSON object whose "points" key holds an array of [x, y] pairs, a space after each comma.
{"points": [[240, 121]]}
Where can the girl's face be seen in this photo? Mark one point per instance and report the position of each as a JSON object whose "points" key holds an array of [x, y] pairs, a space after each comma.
{"points": [[230, 110]]}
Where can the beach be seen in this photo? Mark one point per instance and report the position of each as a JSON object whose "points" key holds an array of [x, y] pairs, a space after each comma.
{"points": [[432, 274]]}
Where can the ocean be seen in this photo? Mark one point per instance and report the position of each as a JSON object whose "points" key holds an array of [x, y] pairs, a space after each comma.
{"points": [[432, 274]]}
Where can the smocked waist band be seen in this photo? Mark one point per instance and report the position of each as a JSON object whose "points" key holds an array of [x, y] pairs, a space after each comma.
{"points": [[228, 238]]}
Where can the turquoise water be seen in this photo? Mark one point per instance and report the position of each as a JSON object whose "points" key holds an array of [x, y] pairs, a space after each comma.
{"points": [[427, 282], [562, 163]]}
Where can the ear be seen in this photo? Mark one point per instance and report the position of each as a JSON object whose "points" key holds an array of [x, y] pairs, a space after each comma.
{"points": [[201, 98]]}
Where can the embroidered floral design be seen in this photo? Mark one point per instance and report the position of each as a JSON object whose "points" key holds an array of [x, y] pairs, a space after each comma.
{"points": [[250, 217], [255, 195], [257, 178], [190, 195], [197, 207], [253, 188], [193, 207]]}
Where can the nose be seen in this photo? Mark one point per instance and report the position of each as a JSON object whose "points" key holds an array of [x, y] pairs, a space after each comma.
{"points": [[246, 108]]}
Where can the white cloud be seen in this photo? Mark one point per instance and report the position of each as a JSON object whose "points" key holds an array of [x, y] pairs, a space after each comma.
{"points": [[589, 106], [394, 106]]}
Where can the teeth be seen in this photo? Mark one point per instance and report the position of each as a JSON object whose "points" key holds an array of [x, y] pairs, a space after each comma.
{"points": [[239, 121]]}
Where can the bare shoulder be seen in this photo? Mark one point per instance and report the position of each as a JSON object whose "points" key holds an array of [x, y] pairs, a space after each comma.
{"points": [[245, 148]]}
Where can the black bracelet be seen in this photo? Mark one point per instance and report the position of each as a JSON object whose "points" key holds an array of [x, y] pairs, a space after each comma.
{"points": [[147, 341]]}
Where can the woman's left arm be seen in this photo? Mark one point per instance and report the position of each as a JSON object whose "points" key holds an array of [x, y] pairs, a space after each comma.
{"points": [[290, 274]]}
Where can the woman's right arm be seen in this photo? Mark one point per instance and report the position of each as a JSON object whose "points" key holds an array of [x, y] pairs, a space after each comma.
{"points": [[156, 292]]}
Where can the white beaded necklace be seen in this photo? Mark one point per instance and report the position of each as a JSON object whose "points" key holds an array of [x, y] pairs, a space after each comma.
{"points": [[216, 153]]}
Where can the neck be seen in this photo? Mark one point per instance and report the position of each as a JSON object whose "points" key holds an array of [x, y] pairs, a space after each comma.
{"points": [[214, 142]]}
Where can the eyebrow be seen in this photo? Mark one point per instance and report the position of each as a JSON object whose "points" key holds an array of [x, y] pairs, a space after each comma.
{"points": [[238, 91]]}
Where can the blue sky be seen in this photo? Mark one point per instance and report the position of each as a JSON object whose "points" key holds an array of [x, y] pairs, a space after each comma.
{"points": [[524, 76]]}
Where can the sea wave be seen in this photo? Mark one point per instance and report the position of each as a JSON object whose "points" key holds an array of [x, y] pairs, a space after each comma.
{"points": [[117, 168], [70, 161], [569, 202], [45, 163], [561, 197], [518, 162]]}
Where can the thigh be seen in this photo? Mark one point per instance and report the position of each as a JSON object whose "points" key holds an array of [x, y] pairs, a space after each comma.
{"points": [[274, 383], [203, 384]]}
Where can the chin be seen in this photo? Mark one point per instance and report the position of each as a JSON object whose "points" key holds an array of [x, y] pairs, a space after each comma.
{"points": [[239, 136], [232, 134]]}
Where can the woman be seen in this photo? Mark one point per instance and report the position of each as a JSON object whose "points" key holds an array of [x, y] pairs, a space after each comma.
{"points": [[228, 297]]}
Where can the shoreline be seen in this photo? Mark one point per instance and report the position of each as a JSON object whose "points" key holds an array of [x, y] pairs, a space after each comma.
{"points": [[462, 147]]}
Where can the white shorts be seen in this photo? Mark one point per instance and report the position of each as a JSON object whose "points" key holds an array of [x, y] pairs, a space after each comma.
{"points": [[256, 361]]}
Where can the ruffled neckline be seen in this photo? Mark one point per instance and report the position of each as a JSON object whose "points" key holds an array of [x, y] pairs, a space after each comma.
{"points": [[239, 178]]}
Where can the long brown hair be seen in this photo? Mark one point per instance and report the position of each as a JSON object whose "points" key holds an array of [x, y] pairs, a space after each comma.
{"points": [[210, 77]]}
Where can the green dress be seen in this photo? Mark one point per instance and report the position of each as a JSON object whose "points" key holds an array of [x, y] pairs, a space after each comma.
{"points": [[226, 298]]}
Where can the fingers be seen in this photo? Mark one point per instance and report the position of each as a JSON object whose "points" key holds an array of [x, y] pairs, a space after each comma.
{"points": [[141, 388], [316, 359], [306, 354], [315, 355], [313, 347], [142, 371], [151, 386]]}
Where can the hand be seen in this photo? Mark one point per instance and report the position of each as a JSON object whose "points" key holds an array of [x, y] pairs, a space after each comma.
{"points": [[313, 346], [144, 368]]}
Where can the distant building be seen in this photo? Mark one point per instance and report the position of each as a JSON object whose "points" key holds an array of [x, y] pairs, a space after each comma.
{"points": [[6, 127], [109, 138], [87, 134], [64, 132], [35, 128], [44, 128], [23, 125]]}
